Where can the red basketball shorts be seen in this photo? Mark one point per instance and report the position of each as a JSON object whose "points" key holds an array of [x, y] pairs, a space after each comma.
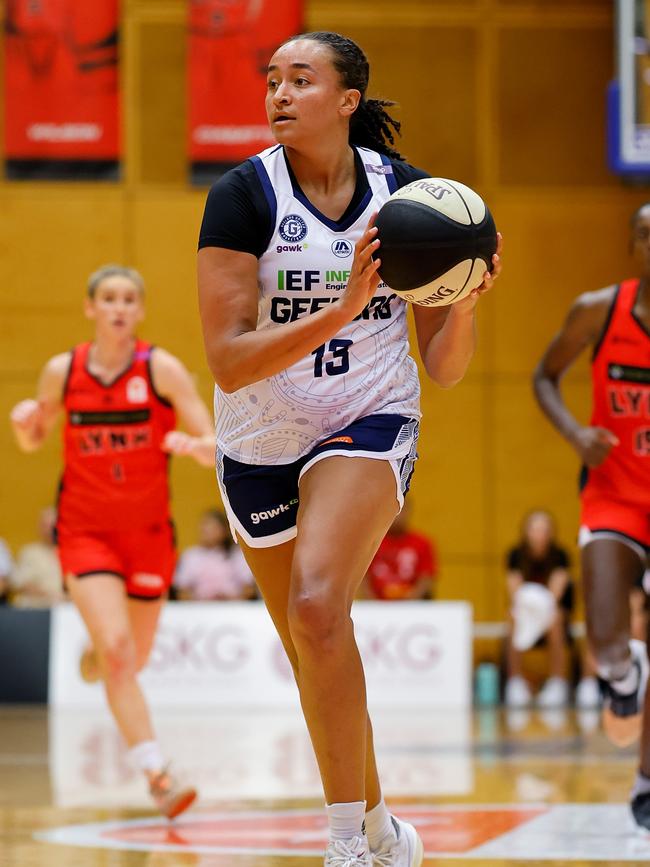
{"points": [[602, 516], [143, 558]]}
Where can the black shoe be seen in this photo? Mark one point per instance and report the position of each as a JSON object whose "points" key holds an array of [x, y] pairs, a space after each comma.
{"points": [[640, 806], [621, 705]]}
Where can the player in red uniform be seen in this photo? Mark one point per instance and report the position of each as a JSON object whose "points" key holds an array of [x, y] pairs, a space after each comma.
{"points": [[119, 396], [405, 565], [615, 514]]}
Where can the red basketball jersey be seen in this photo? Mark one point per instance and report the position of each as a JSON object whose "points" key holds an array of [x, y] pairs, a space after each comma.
{"points": [[399, 563], [621, 402], [115, 474]]}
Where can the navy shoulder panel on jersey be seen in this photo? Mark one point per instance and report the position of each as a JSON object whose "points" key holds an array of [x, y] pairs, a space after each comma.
{"points": [[237, 213], [405, 173]]}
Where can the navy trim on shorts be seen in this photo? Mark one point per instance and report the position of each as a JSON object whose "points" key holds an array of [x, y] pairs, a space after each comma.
{"points": [[263, 499]]}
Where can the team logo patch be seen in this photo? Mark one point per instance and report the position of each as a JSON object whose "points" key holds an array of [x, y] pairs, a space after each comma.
{"points": [[341, 248], [293, 228], [137, 390]]}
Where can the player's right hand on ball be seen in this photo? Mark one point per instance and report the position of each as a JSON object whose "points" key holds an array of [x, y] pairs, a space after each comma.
{"points": [[26, 415], [593, 444], [364, 278]]}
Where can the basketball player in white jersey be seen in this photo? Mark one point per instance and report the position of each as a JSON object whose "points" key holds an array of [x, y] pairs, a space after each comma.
{"points": [[317, 397]]}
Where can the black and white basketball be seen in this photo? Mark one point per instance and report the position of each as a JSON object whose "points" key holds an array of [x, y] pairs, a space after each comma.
{"points": [[437, 240]]}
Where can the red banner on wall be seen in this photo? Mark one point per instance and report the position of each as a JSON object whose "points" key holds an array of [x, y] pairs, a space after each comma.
{"points": [[61, 81], [230, 45]]}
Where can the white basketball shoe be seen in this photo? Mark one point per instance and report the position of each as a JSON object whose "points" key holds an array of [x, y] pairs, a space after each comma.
{"points": [[517, 692], [588, 694], [554, 693], [405, 849], [348, 853]]}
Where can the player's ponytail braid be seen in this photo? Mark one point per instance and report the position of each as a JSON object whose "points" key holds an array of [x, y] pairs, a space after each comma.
{"points": [[371, 125]]}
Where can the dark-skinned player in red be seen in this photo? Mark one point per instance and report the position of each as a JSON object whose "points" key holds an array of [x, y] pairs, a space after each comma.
{"points": [[614, 323]]}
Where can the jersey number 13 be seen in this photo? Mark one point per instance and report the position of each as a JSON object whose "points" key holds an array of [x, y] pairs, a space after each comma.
{"points": [[340, 363]]}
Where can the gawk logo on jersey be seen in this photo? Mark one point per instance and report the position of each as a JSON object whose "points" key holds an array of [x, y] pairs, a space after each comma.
{"points": [[290, 248], [293, 229]]}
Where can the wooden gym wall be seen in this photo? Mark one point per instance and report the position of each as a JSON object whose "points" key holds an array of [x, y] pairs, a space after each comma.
{"points": [[505, 95]]}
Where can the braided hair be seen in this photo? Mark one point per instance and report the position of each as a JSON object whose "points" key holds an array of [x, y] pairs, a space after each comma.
{"points": [[371, 126]]}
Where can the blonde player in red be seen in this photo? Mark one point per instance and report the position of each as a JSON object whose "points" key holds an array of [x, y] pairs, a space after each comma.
{"points": [[119, 396]]}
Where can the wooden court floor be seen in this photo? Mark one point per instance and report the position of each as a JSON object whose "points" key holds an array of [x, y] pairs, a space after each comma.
{"points": [[489, 788]]}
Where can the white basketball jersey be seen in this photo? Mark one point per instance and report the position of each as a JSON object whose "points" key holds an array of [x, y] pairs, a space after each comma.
{"points": [[365, 369]]}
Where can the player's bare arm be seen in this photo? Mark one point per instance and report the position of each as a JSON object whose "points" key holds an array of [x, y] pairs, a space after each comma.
{"points": [[237, 353], [447, 335], [32, 419], [174, 383], [583, 327]]}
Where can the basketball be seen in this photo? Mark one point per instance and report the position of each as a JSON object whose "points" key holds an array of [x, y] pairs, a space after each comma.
{"points": [[437, 240]]}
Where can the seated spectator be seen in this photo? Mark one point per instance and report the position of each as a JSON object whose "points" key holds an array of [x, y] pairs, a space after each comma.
{"points": [[405, 565], [6, 566], [36, 581], [539, 559], [215, 568]]}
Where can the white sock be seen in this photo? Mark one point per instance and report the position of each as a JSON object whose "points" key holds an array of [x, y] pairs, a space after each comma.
{"points": [[345, 820], [147, 756], [641, 785], [379, 825]]}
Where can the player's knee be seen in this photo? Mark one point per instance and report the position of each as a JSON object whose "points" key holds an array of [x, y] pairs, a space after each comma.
{"points": [[317, 618], [119, 657]]}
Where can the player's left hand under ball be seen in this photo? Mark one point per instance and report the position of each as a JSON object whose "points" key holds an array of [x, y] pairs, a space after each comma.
{"points": [[488, 278]]}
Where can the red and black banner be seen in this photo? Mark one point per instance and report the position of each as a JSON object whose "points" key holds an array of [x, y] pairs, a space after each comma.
{"points": [[230, 45], [62, 108]]}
